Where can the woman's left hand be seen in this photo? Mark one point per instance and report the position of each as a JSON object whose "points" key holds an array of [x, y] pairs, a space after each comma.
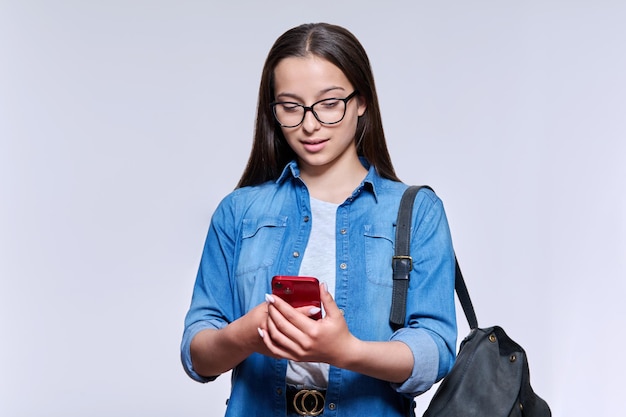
{"points": [[290, 333]]}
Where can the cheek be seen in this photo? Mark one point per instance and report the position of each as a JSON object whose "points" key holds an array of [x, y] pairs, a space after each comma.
{"points": [[353, 114], [286, 133], [352, 119]]}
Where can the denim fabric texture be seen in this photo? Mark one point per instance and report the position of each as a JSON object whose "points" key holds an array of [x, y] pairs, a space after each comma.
{"points": [[261, 231]]}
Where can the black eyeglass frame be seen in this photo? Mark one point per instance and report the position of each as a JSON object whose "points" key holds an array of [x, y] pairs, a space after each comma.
{"points": [[310, 108]]}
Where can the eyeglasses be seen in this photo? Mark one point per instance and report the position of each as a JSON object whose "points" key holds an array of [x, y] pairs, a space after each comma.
{"points": [[329, 111]]}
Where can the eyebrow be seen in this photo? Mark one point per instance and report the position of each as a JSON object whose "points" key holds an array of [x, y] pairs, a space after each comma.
{"points": [[296, 97]]}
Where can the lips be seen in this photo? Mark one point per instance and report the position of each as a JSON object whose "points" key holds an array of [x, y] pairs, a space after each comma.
{"points": [[314, 145]]}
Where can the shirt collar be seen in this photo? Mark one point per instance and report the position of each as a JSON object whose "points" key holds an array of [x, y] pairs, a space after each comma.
{"points": [[369, 183], [290, 170]]}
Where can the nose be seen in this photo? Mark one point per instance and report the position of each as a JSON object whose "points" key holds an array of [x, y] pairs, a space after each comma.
{"points": [[310, 122]]}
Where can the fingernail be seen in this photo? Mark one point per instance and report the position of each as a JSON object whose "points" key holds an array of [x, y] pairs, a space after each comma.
{"points": [[269, 298], [325, 286], [314, 310], [261, 332]]}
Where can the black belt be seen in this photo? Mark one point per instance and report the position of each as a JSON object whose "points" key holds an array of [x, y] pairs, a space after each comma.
{"points": [[305, 402]]}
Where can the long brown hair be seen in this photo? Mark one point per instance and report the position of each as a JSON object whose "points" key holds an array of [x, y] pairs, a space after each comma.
{"points": [[270, 151]]}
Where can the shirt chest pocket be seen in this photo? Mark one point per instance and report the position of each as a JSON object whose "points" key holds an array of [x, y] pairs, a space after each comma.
{"points": [[261, 239], [379, 247]]}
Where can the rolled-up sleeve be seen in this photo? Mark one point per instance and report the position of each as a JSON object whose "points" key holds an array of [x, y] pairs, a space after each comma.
{"points": [[431, 328], [185, 349], [425, 361], [211, 303]]}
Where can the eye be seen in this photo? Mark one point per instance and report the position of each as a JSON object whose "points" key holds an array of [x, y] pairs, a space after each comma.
{"points": [[289, 107], [329, 103]]}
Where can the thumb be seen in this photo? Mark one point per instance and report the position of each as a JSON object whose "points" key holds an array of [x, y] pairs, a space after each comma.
{"points": [[328, 302]]}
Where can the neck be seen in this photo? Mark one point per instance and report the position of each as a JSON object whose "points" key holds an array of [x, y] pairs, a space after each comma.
{"points": [[333, 184]]}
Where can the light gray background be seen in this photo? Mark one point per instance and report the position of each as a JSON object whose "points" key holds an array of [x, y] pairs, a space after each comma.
{"points": [[123, 123]]}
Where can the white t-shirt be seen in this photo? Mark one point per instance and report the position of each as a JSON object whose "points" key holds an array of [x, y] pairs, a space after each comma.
{"points": [[318, 261]]}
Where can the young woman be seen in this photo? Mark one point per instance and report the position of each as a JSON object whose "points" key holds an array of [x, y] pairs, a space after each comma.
{"points": [[319, 197]]}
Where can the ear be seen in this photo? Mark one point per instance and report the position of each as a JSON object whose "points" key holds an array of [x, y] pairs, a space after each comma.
{"points": [[361, 105]]}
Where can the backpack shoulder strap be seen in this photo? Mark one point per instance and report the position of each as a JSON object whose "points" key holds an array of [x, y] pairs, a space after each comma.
{"points": [[402, 265]]}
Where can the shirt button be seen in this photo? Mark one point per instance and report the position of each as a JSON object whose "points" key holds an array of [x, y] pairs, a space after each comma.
{"points": [[296, 254], [332, 406], [343, 266], [306, 219], [343, 231], [279, 391]]}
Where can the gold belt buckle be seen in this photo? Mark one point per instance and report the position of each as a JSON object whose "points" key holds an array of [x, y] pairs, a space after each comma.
{"points": [[313, 407]]}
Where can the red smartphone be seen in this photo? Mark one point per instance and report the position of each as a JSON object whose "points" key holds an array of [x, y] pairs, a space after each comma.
{"points": [[298, 291]]}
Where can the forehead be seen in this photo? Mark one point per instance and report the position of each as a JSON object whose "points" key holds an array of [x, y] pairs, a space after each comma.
{"points": [[307, 75]]}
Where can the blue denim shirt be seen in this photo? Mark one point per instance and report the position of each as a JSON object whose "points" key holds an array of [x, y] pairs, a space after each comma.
{"points": [[261, 231]]}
